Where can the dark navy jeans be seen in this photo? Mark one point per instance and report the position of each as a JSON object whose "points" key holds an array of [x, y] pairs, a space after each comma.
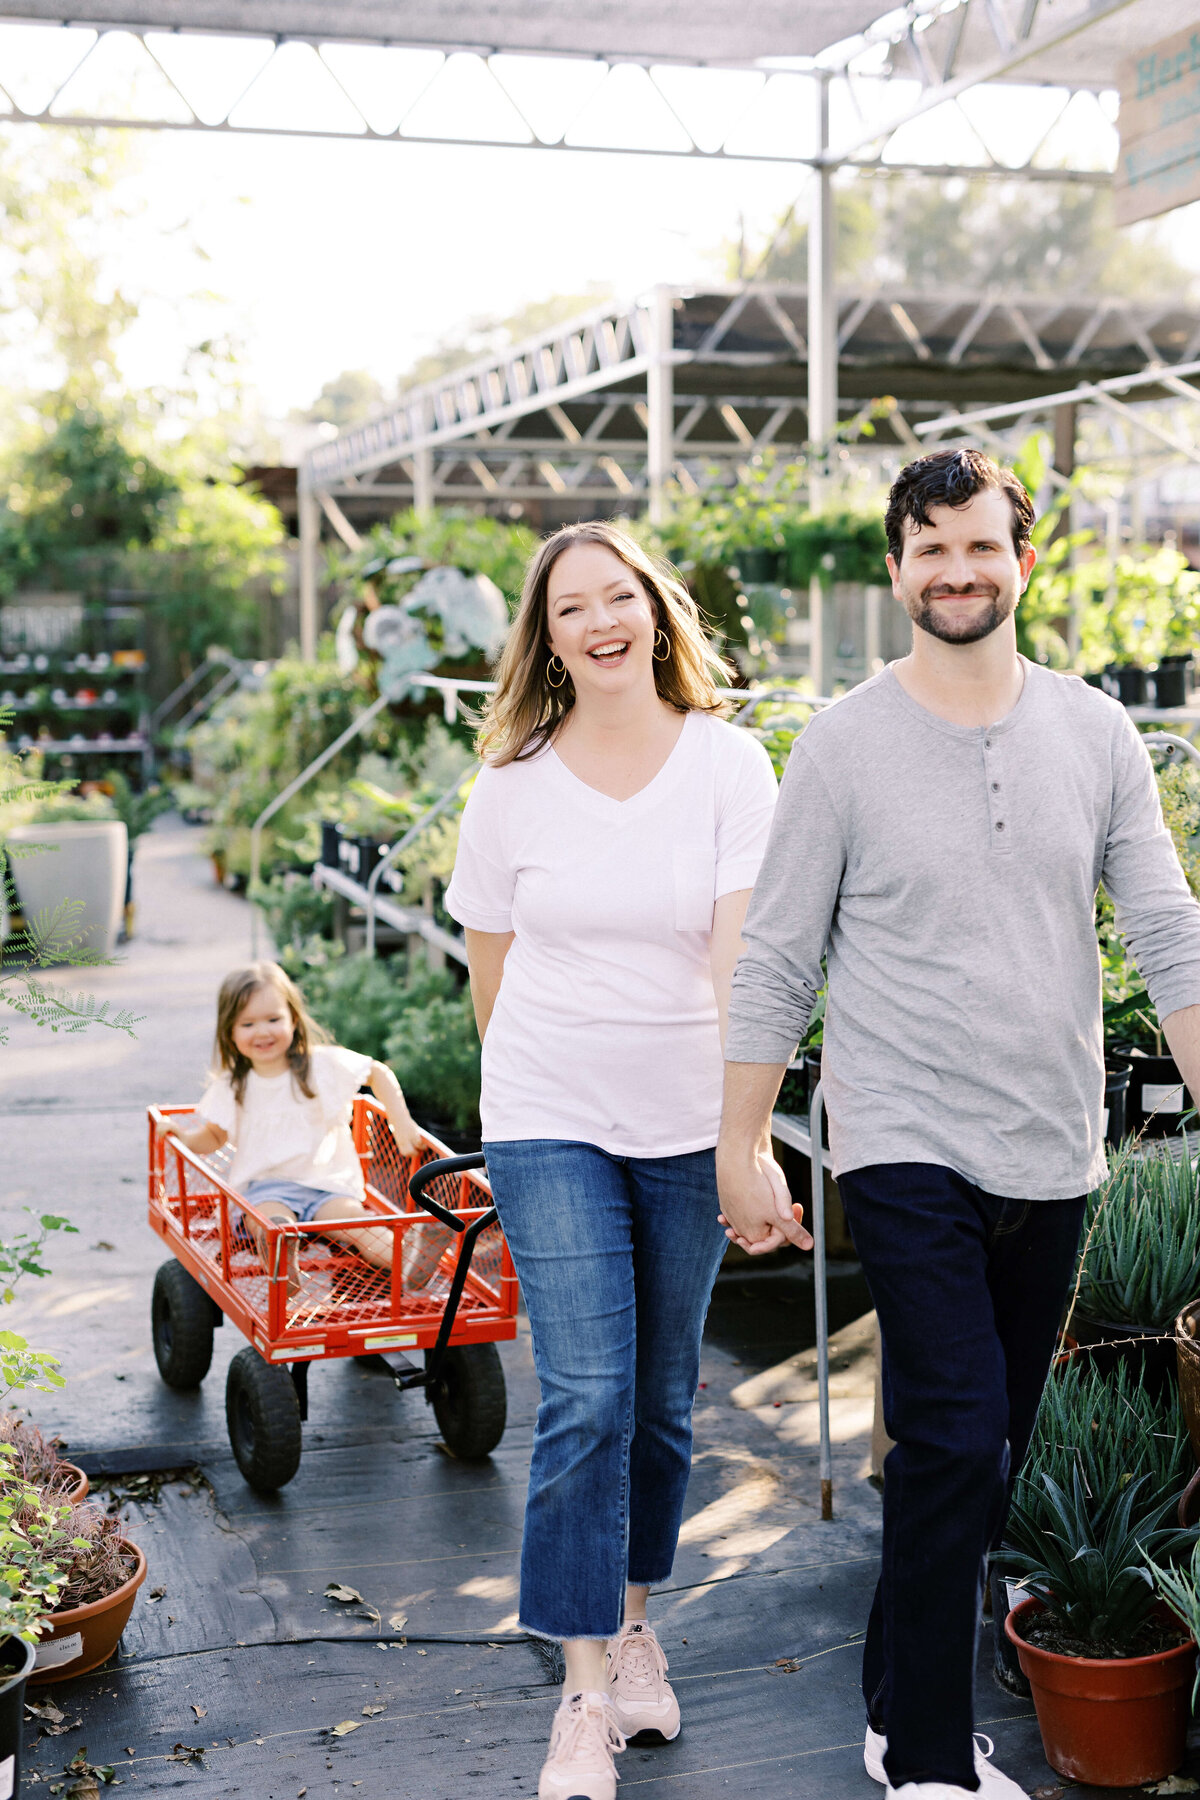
{"points": [[969, 1290], [616, 1256]]}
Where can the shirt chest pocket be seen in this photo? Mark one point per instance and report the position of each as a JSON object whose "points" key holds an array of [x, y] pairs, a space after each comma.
{"points": [[695, 873]]}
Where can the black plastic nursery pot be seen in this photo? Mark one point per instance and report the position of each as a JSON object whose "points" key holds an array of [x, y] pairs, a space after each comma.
{"points": [[758, 564], [1171, 682], [1130, 683], [331, 838], [1157, 1098], [16, 1662], [1116, 1099]]}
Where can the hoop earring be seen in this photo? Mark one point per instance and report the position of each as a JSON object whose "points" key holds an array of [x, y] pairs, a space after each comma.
{"points": [[666, 655], [550, 682]]}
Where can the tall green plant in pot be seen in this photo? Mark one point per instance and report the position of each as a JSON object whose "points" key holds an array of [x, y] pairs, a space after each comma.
{"points": [[1139, 1263]]}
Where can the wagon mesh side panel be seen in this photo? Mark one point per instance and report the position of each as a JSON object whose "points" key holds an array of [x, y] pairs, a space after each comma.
{"points": [[338, 1289]]}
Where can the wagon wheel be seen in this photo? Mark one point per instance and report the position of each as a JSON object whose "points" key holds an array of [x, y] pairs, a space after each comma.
{"points": [[262, 1411], [469, 1400], [181, 1323]]}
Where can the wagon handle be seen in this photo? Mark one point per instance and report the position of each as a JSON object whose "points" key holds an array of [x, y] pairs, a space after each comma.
{"points": [[445, 1165], [450, 1165]]}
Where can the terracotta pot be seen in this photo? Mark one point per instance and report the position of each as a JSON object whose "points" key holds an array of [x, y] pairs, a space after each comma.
{"points": [[82, 1637], [75, 1486], [1112, 1721]]}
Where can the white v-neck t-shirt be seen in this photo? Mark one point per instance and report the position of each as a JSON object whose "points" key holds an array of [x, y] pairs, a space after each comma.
{"points": [[279, 1133], [605, 1027]]}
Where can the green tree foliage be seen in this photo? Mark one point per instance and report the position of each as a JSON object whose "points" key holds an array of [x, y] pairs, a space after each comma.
{"points": [[971, 235], [452, 535], [347, 399]]}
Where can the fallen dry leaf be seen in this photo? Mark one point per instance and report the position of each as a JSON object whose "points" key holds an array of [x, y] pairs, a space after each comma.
{"points": [[345, 1728], [158, 1593], [373, 1712], [337, 1590], [45, 1709], [422, 1653], [187, 1753], [129, 1750], [397, 1621], [103, 1244], [201, 1712], [1176, 1784], [86, 1788]]}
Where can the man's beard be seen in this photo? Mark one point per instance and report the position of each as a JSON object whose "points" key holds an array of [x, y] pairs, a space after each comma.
{"points": [[956, 627]]}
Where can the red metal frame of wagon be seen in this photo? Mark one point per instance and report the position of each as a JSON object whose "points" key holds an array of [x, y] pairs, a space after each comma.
{"points": [[344, 1307]]}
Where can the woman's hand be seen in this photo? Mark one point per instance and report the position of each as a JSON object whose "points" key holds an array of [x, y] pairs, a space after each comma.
{"points": [[756, 1207]]}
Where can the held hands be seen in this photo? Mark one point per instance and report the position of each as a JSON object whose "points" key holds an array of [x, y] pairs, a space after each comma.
{"points": [[756, 1207]]}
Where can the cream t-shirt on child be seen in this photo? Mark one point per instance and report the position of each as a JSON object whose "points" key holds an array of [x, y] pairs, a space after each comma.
{"points": [[605, 1028], [280, 1134]]}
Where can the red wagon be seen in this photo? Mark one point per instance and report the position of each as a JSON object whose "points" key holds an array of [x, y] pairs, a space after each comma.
{"points": [[344, 1306]]}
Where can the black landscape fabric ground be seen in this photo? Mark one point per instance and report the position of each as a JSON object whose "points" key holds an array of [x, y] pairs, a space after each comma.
{"points": [[226, 1653]]}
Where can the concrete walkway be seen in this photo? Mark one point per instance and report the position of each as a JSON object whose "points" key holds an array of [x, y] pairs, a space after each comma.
{"points": [[232, 1678]]}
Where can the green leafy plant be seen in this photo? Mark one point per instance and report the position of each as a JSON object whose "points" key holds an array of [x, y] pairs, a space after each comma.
{"points": [[22, 1254], [1180, 1589], [435, 1053], [1140, 1261], [1112, 1429], [1089, 1564], [34, 1546], [361, 1001], [136, 811]]}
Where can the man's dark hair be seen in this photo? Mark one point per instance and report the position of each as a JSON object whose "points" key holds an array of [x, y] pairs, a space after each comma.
{"points": [[951, 478]]}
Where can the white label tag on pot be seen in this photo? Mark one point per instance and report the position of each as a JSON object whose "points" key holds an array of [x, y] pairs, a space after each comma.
{"points": [[58, 1651], [6, 1778], [1016, 1595], [1166, 1099]]}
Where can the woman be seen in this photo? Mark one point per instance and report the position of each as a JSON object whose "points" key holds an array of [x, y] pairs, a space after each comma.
{"points": [[607, 854]]}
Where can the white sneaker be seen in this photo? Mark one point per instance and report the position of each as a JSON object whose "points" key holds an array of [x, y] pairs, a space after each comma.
{"points": [[993, 1783], [583, 1738], [642, 1697]]}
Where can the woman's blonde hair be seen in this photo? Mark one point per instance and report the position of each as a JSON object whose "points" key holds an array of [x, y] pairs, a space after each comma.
{"points": [[237, 990], [525, 711]]}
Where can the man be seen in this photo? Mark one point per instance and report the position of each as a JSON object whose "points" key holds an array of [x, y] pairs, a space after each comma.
{"points": [[940, 836]]}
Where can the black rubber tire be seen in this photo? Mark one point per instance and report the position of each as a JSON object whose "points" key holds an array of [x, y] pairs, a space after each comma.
{"points": [[262, 1411], [181, 1323], [470, 1401]]}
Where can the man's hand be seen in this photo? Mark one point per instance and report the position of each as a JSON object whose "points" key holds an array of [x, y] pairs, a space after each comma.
{"points": [[756, 1207]]}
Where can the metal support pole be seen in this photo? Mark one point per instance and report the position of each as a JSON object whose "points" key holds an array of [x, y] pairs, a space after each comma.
{"points": [[822, 310], [820, 1298], [310, 541], [660, 402], [422, 463]]}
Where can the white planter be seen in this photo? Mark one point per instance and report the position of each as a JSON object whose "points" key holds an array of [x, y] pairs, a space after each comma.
{"points": [[87, 862]]}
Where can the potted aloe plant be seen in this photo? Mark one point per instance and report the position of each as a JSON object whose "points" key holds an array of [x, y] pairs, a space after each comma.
{"points": [[1110, 1662], [1140, 1257]]}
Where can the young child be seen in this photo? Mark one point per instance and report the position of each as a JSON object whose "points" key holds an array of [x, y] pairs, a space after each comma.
{"points": [[282, 1095]]}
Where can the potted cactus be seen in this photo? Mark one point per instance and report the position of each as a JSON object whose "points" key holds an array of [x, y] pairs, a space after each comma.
{"points": [[1110, 1661], [1140, 1258]]}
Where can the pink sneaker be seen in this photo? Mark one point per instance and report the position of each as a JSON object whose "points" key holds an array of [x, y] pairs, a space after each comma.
{"points": [[583, 1739], [642, 1697]]}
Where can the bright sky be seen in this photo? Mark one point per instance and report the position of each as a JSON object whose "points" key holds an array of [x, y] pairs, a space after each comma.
{"points": [[332, 254]]}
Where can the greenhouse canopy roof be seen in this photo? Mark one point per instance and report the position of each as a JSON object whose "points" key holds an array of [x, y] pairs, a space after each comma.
{"points": [[1073, 43]]}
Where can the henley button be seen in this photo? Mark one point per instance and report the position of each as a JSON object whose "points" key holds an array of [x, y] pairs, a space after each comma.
{"points": [[999, 824], [987, 743], [995, 787]]}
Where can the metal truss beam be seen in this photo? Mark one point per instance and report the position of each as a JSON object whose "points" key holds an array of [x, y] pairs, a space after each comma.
{"points": [[178, 110], [1087, 390]]}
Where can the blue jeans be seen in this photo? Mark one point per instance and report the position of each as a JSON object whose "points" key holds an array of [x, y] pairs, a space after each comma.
{"points": [[616, 1256], [969, 1290]]}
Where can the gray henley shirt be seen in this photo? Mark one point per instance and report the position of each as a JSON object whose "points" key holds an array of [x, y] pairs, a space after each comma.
{"points": [[949, 874]]}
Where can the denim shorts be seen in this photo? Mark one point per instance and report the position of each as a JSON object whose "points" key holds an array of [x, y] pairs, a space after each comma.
{"points": [[298, 1198]]}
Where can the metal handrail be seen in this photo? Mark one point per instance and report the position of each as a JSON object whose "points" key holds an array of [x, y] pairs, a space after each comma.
{"points": [[1168, 739], [211, 657], [207, 701], [388, 860], [820, 1297], [293, 787]]}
